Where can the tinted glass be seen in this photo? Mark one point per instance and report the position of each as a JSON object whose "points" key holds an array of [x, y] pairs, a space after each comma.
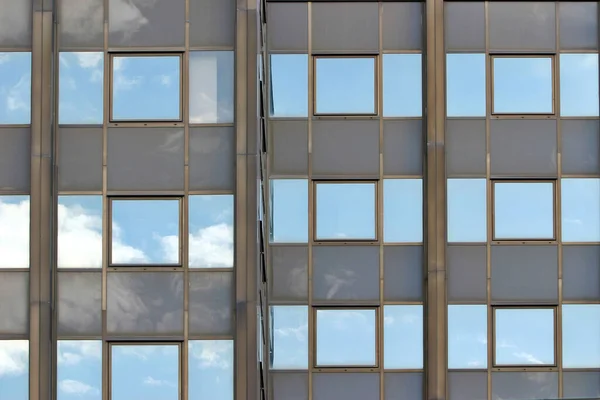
{"points": [[579, 85], [467, 216], [522, 85], [210, 369], [402, 85], [465, 85], [14, 373], [79, 369], [289, 210], [14, 231], [289, 85], [79, 231], [581, 335], [289, 337], [211, 87], [81, 83], [580, 210], [467, 336], [403, 210], [211, 231], [15, 88], [345, 85], [146, 88], [403, 336]]}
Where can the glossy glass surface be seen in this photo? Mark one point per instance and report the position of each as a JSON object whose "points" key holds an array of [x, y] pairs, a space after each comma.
{"points": [[79, 369], [211, 231], [146, 88], [402, 210], [342, 329], [289, 211], [15, 88], [467, 216], [210, 370], [524, 336], [145, 232], [81, 84], [402, 85], [523, 210], [522, 85], [289, 85], [580, 210], [345, 85], [211, 87], [581, 335], [403, 336], [345, 211], [289, 337], [14, 231], [14, 370], [465, 85], [467, 336], [579, 85], [79, 232]]}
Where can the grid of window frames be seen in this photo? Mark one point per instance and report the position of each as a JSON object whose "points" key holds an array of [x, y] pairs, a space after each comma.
{"points": [[523, 199], [345, 200], [15, 166], [146, 179]]}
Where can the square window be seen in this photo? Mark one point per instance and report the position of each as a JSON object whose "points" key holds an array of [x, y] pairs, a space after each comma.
{"points": [[340, 329], [523, 85], [523, 210], [346, 211], [351, 92], [524, 336], [145, 231], [145, 87], [151, 371], [289, 85]]}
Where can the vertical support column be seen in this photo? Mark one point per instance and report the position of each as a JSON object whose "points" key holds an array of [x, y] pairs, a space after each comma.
{"points": [[246, 117], [436, 309], [41, 228]]}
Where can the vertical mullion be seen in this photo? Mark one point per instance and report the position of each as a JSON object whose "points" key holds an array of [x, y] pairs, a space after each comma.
{"points": [[489, 204], [311, 206], [379, 209], [557, 205]]}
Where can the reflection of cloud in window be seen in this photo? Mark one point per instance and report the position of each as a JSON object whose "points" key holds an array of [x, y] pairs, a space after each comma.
{"points": [[211, 87], [212, 353], [126, 16], [71, 386], [73, 352], [82, 18], [14, 234], [14, 357], [150, 381]]}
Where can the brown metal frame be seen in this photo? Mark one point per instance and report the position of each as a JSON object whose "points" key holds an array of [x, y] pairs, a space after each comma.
{"points": [[113, 55], [492, 202], [313, 99]]}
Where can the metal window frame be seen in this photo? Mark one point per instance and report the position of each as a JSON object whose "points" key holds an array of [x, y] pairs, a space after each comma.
{"points": [[376, 61], [152, 266], [529, 367], [524, 56], [111, 90], [492, 202], [314, 310], [316, 182]]}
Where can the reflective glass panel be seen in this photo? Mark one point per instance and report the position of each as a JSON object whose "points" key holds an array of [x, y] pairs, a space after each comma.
{"points": [[579, 85], [465, 85], [145, 372], [289, 210], [14, 369], [402, 85], [580, 205], [211, 231], [340, 330], [345, 211], [211, 87], [210, 369], [345, 85], [81, 83], [524, 336], [14, 231], [79, 231], [15, 88], [289, 85], [467, 336], [146, 88], [467, 217], [403, 336], [523, 210], [145, 232], [581, 335], [522, 85], [403, 210], [289, 337], [79, 369]]}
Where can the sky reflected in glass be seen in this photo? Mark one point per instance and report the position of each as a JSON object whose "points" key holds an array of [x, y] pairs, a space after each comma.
{"points": [[14, 369], [14, 231], [80, 232], [467, 206], [211, 231], [210, 369], [581, 335], [81, 83], [402, 85], [15, 88], [403, 210], [211, 87], [465, 85], [79, 369], [580, 204], [467, 336], [289, 211], [579, 85], [403, 336], [289, 337], [289, 85]]}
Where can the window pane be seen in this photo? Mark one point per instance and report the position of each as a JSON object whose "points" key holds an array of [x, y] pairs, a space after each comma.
{"points": [[523, 210], [145, 232], [146, 88], [79, 370], [210, 370], [522, 85], [580, 210], [79, 231], [211, 231], [403, 210], [344, 329], [345, 85], [211, 87], [581, 335], [289, 211], [144, 371], [579, 85], [346, 211], [15, 88], [465, 85], [467, 336], [403, 337], [402, 85], [289, 337], [467, 216], [524, 336], [289, 85], [81, 83], [14, 231], [14, 375]]}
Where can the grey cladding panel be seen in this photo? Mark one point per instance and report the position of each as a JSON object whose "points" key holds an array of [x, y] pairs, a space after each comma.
{"points": [[288, 26], [80, 159], [403, 147], [402, 26], [525, 25], [15, 159], [465, 147], [289, 154], [467, 273], [465, 25]]}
